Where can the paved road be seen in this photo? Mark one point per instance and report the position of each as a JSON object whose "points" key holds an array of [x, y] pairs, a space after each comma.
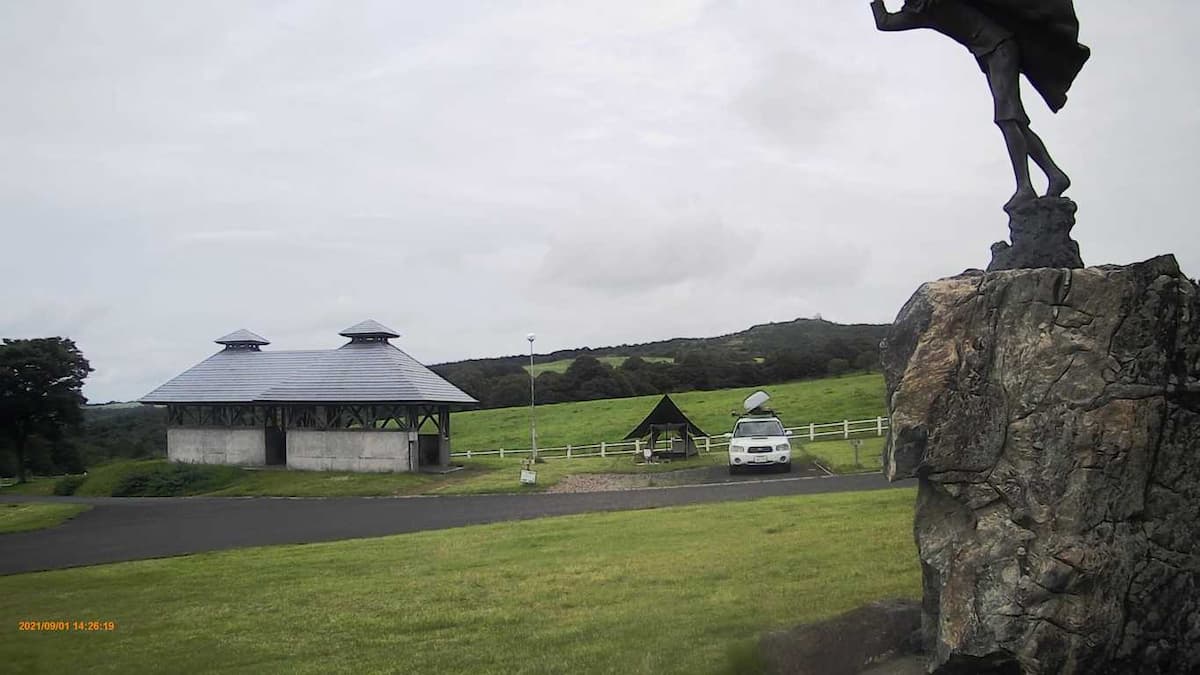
{"points": [[119, 529]]}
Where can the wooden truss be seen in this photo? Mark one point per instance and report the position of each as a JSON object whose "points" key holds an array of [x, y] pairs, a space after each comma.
{"points": [[375, 416]]}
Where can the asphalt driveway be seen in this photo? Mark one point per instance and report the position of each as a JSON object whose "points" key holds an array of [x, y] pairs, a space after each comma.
{"points": [[119, 529]]}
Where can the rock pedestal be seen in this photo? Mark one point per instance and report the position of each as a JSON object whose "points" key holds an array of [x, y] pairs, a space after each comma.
{"points": [[1041, 237], [1052, 417]]}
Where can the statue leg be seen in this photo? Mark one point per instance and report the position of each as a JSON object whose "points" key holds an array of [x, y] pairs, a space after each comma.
{"points": [[1018, 153], [1058, 179], [1002, 67]]}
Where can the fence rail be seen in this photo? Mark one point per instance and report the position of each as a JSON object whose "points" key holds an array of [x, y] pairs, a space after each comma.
{"points": [[845, 429]]}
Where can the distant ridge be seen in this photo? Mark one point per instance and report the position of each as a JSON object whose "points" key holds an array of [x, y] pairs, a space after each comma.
{"points": [[760, 355], [756, 341]]}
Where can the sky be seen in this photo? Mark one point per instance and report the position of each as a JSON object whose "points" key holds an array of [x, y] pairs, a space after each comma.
{"points": [[597, 172]]}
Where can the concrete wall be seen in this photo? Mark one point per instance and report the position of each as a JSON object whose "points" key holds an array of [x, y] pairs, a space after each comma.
{"points": [[350, 450], [216, 445]]}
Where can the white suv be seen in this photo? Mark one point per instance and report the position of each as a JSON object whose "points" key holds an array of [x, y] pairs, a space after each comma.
{"points": [[759, 441]]}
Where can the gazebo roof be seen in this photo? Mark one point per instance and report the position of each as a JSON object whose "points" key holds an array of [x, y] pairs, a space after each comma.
{"points": [[357, 372], [666, 412]]}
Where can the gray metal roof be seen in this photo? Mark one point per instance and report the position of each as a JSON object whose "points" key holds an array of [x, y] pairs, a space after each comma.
{"points": [[359, 372], [369, 328], [243, 337]]}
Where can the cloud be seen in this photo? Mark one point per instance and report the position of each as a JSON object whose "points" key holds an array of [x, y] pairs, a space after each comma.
{"points": [[466, 172]]}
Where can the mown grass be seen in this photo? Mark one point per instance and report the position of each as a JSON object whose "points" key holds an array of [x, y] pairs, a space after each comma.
{"points": [[561, 365], [284, 483], [489, 474], [587, 422], [26, 517], [661, 591], [39, 485], [838, 456], [479, 476], [495, 475]]}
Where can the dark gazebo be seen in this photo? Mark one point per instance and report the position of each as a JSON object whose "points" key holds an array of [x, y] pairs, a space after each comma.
{"points": [[667, 420]]}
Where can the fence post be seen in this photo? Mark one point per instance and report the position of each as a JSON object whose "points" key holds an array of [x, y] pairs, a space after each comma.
{"points": [[878, 426], [468, 453], [637, 447], [707, 444], [568, 451], [501, 453], [845, 428], [812, 434], [603, 447]]}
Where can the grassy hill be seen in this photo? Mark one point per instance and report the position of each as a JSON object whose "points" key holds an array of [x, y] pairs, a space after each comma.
{"points": [[755, 341], [561, 365], [585, 422]]}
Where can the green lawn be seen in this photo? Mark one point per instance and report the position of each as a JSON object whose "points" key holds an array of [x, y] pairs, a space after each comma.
{"points": [[587, 422], [488, 474], [838, 456], [39, 485], [561, 365], [492, 474], [670, 590], [25, 517]]}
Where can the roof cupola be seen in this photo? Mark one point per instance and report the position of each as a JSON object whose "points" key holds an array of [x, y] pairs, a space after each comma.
{"points": [[242, 339], [369, 331]]}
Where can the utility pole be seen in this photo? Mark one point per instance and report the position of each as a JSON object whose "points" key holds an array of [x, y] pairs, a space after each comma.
{"points": [[532, 407]]}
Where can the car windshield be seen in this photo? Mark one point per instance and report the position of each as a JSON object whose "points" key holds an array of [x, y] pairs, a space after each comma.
{"points": [[758, 428]]}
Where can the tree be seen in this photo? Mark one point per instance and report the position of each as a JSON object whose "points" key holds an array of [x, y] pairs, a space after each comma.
{"points": [[837, 366], [40, 390]]}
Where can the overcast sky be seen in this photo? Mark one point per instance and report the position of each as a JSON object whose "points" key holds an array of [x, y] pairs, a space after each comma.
{"points": [[600, 172]]}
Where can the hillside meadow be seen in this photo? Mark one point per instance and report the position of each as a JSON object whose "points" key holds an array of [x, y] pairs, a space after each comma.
{"points": [[587, 422]]}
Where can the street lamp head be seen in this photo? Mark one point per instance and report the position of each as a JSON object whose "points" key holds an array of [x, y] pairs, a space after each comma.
{"points": [[531, 337]]}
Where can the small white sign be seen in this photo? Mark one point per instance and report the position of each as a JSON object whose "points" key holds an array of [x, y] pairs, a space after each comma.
{"points": [[528, 477]]}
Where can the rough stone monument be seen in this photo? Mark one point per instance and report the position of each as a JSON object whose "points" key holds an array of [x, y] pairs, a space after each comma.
{"points": [[1052, 419], [1049, 412]]}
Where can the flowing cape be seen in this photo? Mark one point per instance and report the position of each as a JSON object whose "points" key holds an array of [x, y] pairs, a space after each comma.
{"points": [[1047, 33]]}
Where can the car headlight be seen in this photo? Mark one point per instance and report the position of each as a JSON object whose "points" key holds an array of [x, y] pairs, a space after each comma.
{"points": [[736, 448], [784, 447]]}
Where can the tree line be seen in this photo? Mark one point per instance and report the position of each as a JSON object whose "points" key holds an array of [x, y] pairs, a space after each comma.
{"points": [[505, 383]]}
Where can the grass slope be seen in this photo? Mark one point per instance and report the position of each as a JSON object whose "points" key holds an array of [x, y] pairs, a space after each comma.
{"points": [[561, 365], [587, 422], [659, 591], [838, 456], [26, 517]]}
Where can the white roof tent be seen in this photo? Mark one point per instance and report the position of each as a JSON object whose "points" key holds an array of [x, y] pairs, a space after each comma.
{"points": [[366, 384]]}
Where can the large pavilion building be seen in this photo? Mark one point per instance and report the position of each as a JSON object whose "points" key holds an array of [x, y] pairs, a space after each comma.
{"points": [[366, 406]]}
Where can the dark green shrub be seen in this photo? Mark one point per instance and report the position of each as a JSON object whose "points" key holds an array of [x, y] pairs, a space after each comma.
{"points": [[67, 485], [173, 480]]}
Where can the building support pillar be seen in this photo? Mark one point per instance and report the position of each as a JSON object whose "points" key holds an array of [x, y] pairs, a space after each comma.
{"points": [[444, 435]]}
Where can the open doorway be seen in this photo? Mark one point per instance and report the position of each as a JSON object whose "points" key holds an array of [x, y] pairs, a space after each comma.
{"points": [[275, 439]]}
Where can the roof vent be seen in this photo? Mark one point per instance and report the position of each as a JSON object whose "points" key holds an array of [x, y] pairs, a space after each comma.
{"points": [[242, 339], [369, 331]]}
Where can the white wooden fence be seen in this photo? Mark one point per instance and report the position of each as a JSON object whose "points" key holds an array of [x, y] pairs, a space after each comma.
{"points": [[845, 429]]}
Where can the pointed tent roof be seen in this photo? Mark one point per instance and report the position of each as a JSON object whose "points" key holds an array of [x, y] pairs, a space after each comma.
{"points": [[369, 328], [242, 337], [666, 412]]}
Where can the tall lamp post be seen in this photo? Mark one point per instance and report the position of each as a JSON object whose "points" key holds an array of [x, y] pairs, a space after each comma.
{"points": [[532, 409]]}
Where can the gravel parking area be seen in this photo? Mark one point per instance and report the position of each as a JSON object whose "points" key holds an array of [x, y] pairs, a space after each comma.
{"points": [[709, 475]]}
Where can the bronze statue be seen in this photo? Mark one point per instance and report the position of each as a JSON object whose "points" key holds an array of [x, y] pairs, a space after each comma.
{"points": [[1039, 38]]}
